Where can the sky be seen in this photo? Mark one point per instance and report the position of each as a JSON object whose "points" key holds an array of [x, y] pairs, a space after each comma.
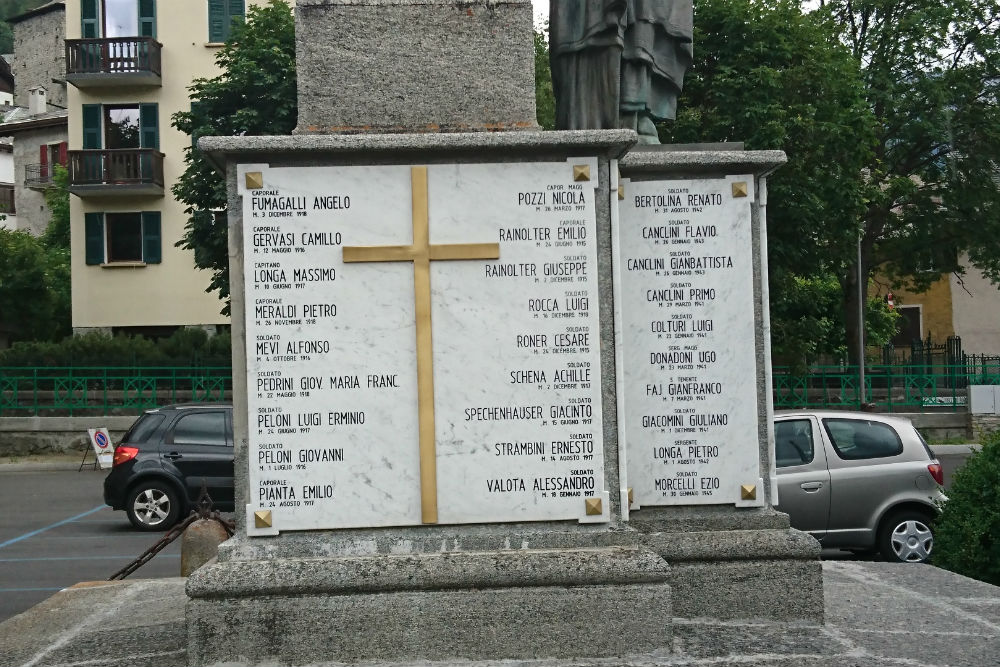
{"points": [[540, 7]]}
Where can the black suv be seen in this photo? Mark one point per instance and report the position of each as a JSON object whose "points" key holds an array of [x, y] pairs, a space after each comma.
{"points": [[162, 460]]}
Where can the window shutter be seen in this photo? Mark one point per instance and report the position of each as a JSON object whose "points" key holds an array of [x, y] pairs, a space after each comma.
{"points": [[90, 26], [62, 152], [151, 253], [236, 11], [147, 18], [94, 237], [43, 161], [91, 126], [149, 132], [217, 21]]}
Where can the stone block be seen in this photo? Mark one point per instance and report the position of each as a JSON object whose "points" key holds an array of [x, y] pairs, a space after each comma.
{"points": [[510, 605], [414, 65]]}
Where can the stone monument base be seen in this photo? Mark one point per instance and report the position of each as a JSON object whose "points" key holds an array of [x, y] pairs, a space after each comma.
{"points": [[743, 566], [558, 603]]}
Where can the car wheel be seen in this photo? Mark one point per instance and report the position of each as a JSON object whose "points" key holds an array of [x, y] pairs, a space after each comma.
{"points": [[152, 505], [906, 537]]}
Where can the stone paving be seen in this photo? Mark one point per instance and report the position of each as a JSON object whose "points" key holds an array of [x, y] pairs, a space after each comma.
{"points": [[877, 615]]}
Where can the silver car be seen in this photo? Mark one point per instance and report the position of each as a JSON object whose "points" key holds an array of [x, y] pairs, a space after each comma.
{"points": [[858, 481]]}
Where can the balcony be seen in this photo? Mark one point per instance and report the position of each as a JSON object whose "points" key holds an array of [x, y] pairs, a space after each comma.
{"points": [[113, 62], [7, 199], [122, 172], [38, 176]]}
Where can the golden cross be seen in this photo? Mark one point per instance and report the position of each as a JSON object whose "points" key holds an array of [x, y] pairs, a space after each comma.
{"points": [[421, 253]]}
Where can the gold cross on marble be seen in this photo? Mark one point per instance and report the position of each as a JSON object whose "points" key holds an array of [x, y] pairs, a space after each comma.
{"points": [[421, 253]]}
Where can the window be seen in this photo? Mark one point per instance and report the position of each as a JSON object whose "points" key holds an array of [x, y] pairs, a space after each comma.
{"points": [[124, 231], [123, 237], [793, 443], [201, 428], [142, 430], [855, 439], [117, 18], [120, 126], [221, 15]]}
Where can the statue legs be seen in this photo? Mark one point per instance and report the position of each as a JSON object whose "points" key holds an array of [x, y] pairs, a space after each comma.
{"points": [[586, 87]]}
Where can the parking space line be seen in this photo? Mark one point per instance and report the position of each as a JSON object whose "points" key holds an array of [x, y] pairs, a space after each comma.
{"points": [[25, 590], [50, 526]]}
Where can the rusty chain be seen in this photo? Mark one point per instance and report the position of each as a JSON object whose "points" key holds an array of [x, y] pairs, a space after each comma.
{"points": [[203, 511]]}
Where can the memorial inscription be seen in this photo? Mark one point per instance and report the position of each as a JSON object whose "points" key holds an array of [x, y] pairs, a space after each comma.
{"points": [[422, 345], [686, 350]]}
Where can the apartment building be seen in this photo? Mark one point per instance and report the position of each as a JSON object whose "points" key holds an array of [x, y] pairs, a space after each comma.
{"points": [[128, 65]]}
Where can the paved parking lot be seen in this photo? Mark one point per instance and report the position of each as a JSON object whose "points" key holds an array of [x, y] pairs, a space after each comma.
{"points": [[55, 531]]}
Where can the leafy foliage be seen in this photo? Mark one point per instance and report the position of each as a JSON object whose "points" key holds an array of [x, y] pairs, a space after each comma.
{"points": [[57, 199], [931, 72], [967, 534], [254, 95], [34, 287], [774, 77], [186, 347], [545, 100]]}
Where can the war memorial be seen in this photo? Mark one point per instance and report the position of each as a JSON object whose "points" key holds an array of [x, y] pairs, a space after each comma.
{"points": [[500, 393]]}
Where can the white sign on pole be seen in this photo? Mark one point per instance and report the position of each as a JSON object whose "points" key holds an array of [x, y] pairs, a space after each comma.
{"points": [[100, 440]]}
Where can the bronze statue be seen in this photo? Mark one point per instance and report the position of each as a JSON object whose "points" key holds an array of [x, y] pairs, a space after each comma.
{"points": [[618, 63]]}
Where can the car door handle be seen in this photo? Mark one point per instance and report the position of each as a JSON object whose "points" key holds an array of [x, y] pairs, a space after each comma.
{"points": [[173, 456], [809, 487]]}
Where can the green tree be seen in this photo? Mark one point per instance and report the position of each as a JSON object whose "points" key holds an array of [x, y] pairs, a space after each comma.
{"points": [[545, 100], [254, 95], [57, 199], [931, 72], [34, 287], [773, 77]]}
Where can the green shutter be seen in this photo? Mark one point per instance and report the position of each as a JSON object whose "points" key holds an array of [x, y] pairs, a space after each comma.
{"points": [[147, 18], [218, 21], [90, 14], [94, 237], [236, 12], [149, 133], [91, 126], [151, 253]]}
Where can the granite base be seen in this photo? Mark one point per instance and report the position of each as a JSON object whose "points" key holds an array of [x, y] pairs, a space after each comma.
{"points": [[500, 605]]}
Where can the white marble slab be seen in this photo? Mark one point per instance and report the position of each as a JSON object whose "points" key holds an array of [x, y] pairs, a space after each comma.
{"points": [[511, 345], [687, 373]]}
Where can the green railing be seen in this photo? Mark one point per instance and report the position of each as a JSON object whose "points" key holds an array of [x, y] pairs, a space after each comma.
{"points": [[62, 391], [888, 388]]}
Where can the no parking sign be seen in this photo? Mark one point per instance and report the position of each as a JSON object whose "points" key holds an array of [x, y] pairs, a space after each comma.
{"points": [[100, 440]]}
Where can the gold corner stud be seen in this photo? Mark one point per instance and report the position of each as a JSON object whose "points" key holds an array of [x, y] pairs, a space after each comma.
{"points": [[581, 172], [748, 492], [254, 179], [621, 192], [594, 506], [262, 519], [740, 189]]}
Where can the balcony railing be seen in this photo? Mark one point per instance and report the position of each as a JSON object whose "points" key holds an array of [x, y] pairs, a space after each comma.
{"points": [[113, 61], [37, 175], [7, 199], [110, 172]]}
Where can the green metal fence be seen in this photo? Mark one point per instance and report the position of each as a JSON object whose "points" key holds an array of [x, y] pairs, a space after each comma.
{"points": [[890, 388], [59, 391]]}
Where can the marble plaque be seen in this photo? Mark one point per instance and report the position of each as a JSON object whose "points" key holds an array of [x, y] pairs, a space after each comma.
{"points": [[332, 347], [687, 371]]}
